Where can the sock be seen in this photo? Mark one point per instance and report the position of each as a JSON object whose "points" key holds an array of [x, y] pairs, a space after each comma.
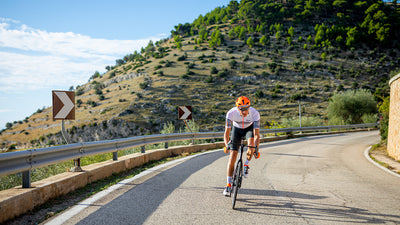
{"points": [[247, 162], [229, 180]]}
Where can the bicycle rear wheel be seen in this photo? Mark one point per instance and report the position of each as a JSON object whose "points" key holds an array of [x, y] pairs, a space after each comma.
{"points": [[236, 182]]}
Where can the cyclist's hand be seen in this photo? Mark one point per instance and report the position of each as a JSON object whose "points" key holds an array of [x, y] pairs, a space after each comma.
{"points": [[226, 149], [256, 153]]}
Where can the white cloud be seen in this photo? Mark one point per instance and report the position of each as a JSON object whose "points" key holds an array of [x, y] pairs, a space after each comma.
{"points": [[34, 59], [5, 110]]}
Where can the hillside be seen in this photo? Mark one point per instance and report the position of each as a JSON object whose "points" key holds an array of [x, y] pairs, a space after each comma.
{"points": [[276, 53]]}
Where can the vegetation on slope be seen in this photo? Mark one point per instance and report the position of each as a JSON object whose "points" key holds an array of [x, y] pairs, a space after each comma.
{"points": [[279, 53]]}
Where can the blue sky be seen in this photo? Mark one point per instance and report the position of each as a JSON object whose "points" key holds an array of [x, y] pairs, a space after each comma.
{"points": [[50, 45]]}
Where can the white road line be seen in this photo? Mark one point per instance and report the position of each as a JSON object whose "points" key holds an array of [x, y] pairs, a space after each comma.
{"points": [[366, 154]]}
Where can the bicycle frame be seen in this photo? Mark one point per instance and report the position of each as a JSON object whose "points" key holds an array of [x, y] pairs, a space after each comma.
{"points": [[237, 175]]}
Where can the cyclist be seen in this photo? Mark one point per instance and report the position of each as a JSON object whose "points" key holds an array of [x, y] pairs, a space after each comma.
{"points": [[244, 121]]}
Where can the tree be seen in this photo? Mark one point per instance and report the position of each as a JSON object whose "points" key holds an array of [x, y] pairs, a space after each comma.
{"points": [[232, 63], [278, 35], [291, 31], [351, 37], [216, 38], [241, 33], [349, 107], [9, 125], [203, 34], [119, 62], [263, 40], [250, 42], [319, 36], [179, 45]]}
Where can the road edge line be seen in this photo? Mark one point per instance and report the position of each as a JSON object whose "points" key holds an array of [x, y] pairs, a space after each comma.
{"points": [[366, 154]]}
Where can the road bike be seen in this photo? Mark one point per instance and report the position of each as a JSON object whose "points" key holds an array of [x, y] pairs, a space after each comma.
{"points": [[238, 172]]}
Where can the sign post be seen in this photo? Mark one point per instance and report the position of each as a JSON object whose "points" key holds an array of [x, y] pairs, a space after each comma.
{"points": [[64, 109], [185, 113]]}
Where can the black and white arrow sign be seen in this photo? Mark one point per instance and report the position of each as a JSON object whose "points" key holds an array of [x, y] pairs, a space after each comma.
{"points": [[185, 112], [63, 105]]}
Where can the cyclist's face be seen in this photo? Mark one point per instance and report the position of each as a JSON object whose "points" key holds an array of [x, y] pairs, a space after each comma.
{"points": [[244, 112]]}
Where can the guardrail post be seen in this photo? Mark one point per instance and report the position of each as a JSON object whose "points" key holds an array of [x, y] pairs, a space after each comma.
{"points": [[166, 145], [115, 156], [26, 179], [143, 150]]}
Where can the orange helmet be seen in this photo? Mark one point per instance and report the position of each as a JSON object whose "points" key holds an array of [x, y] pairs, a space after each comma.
{"points": [[243, 102]]}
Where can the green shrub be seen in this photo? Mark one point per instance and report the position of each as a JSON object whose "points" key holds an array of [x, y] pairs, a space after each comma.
{"points": [[349, 107], [214, 70], [384, 120], [259, 94], [306, 121]]}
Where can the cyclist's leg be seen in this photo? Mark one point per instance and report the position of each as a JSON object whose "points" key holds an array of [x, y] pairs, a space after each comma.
{"points": [[236, 136], [250, 151], [250, 142], [235, 133], [231, 162]]}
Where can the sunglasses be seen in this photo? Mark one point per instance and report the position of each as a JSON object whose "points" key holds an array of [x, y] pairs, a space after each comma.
{"points": [[244, 108]]}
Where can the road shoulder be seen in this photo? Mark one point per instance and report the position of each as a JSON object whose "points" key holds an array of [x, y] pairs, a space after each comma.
{"points": [[382, 159]]}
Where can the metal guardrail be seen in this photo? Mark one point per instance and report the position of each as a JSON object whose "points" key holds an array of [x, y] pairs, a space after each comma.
{"points": [[24, 161]]}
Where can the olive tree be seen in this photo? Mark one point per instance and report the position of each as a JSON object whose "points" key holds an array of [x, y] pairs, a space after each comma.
{"points": [[351, 107]]}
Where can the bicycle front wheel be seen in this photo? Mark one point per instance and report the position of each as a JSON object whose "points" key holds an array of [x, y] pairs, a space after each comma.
{"points": [[236, 182]]}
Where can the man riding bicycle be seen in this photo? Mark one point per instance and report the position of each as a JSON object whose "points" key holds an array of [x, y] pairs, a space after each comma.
{"points": [[244, 121]]}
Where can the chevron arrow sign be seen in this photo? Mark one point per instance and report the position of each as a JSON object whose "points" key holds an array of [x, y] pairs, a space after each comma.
{"points": [[63, 105], [185, 112]]}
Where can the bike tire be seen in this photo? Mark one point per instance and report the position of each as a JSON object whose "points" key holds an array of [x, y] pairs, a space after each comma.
{"points": [[236, 183]]}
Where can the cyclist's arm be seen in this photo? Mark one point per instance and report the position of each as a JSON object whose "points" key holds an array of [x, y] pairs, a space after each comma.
{"points": [[256, 132], [228, 127], [226, 135]]}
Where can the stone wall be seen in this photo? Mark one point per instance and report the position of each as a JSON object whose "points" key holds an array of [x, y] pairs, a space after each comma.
{"points": [[393, 145]]}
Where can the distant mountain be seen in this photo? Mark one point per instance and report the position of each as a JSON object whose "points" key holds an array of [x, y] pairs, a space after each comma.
{"points": [[278, 53]]}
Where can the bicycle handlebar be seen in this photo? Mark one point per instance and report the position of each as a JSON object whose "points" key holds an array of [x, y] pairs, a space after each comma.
{"points": [[228, 147]]}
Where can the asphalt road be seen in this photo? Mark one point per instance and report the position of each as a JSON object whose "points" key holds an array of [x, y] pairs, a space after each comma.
{"points": [[312, 180]]}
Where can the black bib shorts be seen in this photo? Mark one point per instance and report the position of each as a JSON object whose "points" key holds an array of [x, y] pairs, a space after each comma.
{"points": [[237, 134]]}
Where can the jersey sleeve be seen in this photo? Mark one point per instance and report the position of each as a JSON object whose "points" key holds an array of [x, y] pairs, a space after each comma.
{"points": [[256, 119], [228, 123]]}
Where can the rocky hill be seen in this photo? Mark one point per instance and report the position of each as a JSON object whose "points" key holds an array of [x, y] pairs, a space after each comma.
{"points": [[278, 53]]}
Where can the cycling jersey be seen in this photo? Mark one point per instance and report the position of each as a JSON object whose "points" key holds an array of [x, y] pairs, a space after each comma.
{"points": [[233, 117]]}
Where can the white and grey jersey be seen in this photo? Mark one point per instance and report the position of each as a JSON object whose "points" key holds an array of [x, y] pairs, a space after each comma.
{"points": [[234, 118]]}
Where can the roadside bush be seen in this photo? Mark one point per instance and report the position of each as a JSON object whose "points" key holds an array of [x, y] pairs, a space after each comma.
{"points": [[384, 120], [350, 107], [306, 121]]}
